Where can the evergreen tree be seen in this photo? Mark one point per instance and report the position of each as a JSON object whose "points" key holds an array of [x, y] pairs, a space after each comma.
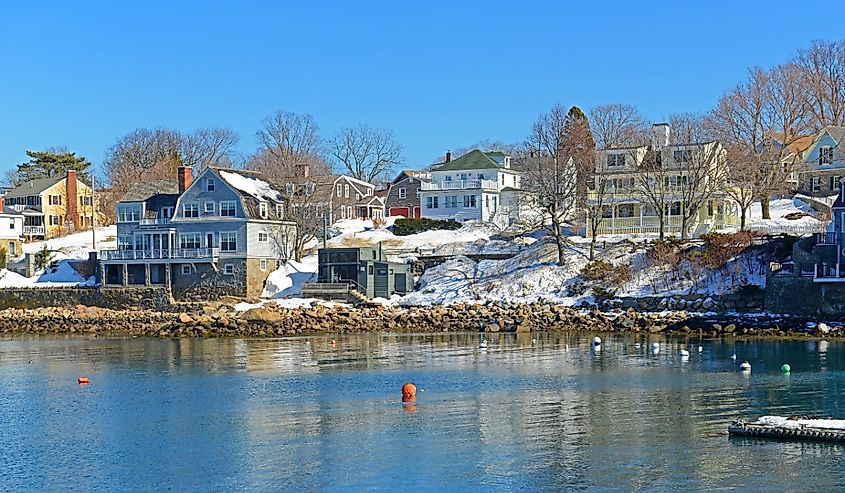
{"points": [[50, 163]]}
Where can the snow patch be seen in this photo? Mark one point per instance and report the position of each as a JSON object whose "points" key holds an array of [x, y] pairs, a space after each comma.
{"points": [[259, 189]]}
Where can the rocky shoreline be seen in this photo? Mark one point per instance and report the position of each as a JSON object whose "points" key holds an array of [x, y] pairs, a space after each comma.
{"points": [[222, 320]]}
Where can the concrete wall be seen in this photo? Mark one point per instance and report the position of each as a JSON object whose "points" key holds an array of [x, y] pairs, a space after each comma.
{"points": [[155, 298], [802, 296]]}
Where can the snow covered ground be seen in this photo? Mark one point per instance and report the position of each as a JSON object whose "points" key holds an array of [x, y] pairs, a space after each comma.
{"points": [[63, 251], [795, 424]]}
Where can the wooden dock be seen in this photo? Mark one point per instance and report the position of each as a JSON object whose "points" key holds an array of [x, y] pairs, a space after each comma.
{"points": [[741, 428]]}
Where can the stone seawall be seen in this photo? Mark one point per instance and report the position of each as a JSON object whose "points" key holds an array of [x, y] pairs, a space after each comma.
{"points": [[117, 298], [219, 320], [748, 301]]}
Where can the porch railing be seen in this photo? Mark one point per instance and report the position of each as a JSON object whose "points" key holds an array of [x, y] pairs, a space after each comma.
{"points": [[166, 254], [33, 230]]}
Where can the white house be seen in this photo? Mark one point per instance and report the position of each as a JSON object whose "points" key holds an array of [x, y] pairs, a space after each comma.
{"points": [[470, 188]]}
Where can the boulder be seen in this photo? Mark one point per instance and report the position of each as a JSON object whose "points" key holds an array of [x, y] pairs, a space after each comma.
{"points": [[708, 304], [823, 328], [262, 315], [185, 319]]}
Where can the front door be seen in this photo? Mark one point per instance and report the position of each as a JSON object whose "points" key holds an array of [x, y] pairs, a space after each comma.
{"points": [[209, 240]]}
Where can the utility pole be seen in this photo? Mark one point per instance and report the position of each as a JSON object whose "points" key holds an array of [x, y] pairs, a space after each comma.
{"points": [[93, 218]]}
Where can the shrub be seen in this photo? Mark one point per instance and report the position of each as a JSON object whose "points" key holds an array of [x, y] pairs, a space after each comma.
{"points": [[602, 293], [379, 222], [42, 258], [606, 272], [4, 257], [409, 226]]}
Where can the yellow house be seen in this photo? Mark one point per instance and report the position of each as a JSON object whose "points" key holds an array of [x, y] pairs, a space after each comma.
{"points": [[54, 206]]}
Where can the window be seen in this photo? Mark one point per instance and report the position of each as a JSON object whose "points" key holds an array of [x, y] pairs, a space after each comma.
{"points": [[487, 201], [649, 211], [166, 212], [209, 208], [682, 156], [470, 201], [448, 178], [480, 176], [357, 196], [124, 242], [13, 249], [11, 224], [614, 160], [263, 237], [814, 184], [463, 176], [625, 210], [262, 209], [432, 202], [228, 242], [451, 202], [55, 221], [191, 210], [349, 212], [262, 264], [280, 211], [346, 191], [229, 269], [675, 209], [834, 182], [403, 193], [227, 209], [54, 200], [190, 241], [826, 155], [343, 212], [339, 190], [128, 213], [85, 200], [186, 270], [209, 185]]}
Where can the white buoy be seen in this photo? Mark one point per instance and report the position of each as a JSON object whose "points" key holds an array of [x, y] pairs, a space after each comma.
{"points": [[655, 348], [700, 349], [597, 348], [684, 353], [533, 341], [733, 356], [637, 345], [745, 366], [483, 344], [596, 341]]}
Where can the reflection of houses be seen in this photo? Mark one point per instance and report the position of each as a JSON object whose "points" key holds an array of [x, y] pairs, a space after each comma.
{"points": [[339, 196], [621, 172], [403, 195], [222, 233], [824, 163], [470, 188], [365, 271], [52, 206]]}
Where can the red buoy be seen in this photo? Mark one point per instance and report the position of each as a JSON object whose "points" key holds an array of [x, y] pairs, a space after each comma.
{"points": [[83, 380]]}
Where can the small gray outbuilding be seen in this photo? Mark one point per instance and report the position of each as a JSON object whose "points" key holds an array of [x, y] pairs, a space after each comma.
{"points": [[366, 269]]}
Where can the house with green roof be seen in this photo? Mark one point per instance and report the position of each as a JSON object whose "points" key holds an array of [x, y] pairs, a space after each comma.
{"points": [[476, 186]]}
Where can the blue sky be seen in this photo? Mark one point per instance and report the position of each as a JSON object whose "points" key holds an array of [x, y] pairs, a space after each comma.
{"points": [[440, 74]]}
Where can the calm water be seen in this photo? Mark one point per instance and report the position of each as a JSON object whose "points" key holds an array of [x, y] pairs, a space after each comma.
{"points": [[223, 415]]}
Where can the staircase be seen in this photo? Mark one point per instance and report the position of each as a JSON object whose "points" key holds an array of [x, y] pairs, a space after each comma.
{"points": [[334, 291]]}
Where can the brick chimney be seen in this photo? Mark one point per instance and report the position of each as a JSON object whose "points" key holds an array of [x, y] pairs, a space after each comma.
{"points": [[72, 198], [184, 175], [304, 170], [448, 156], [2, 204]]}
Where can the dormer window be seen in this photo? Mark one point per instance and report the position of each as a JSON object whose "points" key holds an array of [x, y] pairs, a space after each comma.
{"points": [[209, 185], [615, 160], [262, 210], [826, 155], [280, 211], [346, 191], [339, 190]]}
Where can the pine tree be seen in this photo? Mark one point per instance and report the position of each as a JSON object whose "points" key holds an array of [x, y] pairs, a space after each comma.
{"points": [[47, 164]]}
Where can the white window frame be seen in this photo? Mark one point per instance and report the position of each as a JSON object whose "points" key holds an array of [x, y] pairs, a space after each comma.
{"points": [[193, 235], [339, 190], [825, 155], [209, 185], [815, 184], [280, 211], [186, 269], [227, 203], [263, 237], [403, 193], [346, 190], [195, 208], [206, 209], [262, 264], [228, 269], [231, 237], [129, 213], [350, 212], [262, 210]]}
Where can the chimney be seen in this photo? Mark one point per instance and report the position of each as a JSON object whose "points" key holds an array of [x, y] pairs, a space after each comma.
{"points": [[2, 204], [184, 175], [72, 207], [660, 135], [448, 156], [304, 170]]}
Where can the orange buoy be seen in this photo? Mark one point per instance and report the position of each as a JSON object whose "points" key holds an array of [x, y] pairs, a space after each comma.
{"points": [[409, 392], [83, 380]]}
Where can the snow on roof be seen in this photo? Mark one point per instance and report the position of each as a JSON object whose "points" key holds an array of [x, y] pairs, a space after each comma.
{"points": [[254, 187]]}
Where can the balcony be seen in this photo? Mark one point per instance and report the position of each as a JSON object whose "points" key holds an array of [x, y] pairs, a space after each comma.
{"points": [[167, 255], [459, 185], [33, 230], [152, 223]]}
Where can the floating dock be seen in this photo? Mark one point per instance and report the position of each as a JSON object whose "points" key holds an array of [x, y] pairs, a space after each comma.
{"points": [[775, 427]]}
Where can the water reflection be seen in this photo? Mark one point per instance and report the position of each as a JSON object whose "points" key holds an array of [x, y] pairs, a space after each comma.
{"points": [[528, 412]]}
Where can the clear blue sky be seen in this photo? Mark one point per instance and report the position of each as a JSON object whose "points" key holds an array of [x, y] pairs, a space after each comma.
{"points": [[440, 74]]}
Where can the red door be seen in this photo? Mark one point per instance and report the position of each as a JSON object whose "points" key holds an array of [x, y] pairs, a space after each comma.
{"points": [[417, 212], [399, 211]]}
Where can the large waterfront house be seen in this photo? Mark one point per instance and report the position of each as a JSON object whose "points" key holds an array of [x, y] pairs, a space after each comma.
{"points": [[824, 164], [222, 233], [403, 194], [629, 182], [470, 188], [53, 206], [334, 196]]}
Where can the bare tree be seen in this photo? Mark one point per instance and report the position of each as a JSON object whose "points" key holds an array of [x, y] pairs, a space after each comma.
{"points": [[764, 119], [289, 145], [617, 125], [601, 191], [741, 179], [822, 69], [552, 173], [208, 147], [366, 153], [304, 207], [653, 183]]}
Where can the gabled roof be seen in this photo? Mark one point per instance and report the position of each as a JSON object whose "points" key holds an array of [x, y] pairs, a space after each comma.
{"points": [[836, 133], [34, 187], [143, 190], [472, 160], [798, 145]]}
